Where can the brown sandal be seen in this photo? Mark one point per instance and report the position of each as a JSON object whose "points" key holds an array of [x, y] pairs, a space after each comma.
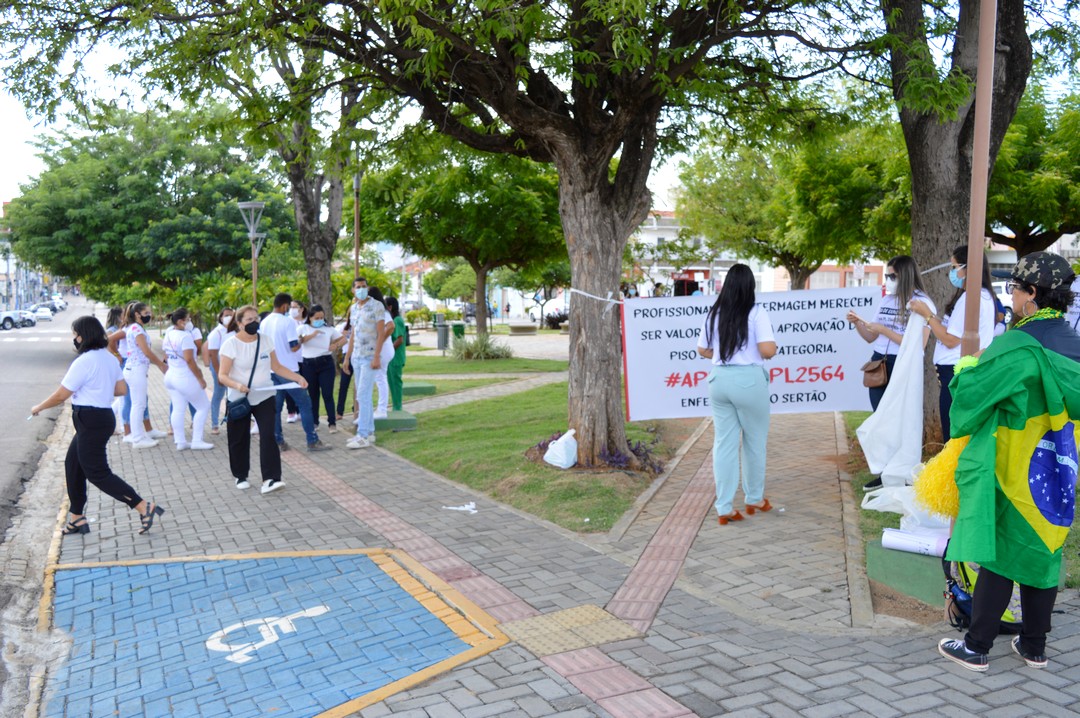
{"points": [[733, 516], [763, 507]]}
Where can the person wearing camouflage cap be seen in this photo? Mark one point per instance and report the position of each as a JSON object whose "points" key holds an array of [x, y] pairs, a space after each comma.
{"points": [[1016, 477]]}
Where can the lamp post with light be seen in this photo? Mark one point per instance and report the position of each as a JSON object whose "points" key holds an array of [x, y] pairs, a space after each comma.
{"points": [[252, 214]]}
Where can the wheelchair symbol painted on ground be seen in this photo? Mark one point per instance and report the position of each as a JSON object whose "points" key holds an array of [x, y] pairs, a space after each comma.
{"points": [[268, 630]]}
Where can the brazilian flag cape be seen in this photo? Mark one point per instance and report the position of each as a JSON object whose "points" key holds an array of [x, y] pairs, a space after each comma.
{"points": [[1017, 475]]}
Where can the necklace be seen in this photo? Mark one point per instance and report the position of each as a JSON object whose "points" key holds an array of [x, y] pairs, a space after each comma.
{"points": [[1040, 314]]}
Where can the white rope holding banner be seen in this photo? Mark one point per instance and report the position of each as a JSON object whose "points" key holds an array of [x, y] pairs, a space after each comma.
{"points": [[610, 302]]}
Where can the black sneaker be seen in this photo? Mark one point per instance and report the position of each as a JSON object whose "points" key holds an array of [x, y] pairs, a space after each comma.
{"points": [[957, 652], [873, 484], [318, 446], [1029, 658]]}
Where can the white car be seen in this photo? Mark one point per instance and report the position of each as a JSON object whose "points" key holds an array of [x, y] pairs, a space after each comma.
{"points": [[1005, 298], [43, 314]]}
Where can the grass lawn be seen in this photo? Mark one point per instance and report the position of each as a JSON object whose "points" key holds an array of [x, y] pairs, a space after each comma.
{"points": [[446, 365], [479, 445], [872, 522]]}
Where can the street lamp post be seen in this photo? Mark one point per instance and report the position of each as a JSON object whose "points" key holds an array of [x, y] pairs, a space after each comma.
{"points": [[252, 214]]}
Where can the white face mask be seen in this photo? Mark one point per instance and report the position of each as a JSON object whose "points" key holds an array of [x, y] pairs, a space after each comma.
{"points": [[294, 312], [188, 325], [225, 323], [890, 286]]}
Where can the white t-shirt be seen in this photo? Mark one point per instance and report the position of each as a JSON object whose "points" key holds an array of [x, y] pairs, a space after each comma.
{"points": [[387, 353], [281, 330], [243, 356], [217, 337], [135, 356], [92, 379], [945, 355], [758, 330], [174, 344], [888, 316], [319, 344]]}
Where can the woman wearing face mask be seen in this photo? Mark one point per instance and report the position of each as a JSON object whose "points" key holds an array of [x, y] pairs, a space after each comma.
{"points": [[184, 382], [317, 344], [91, 382], [902, 284], [212, 347], [118, 344], [386, 355], [950, 328], [246, 364], [298, 313], [136, 367]]}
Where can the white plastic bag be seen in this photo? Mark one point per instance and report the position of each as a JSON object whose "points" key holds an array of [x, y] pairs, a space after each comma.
{"points": [[563, 451], [901, 500]]}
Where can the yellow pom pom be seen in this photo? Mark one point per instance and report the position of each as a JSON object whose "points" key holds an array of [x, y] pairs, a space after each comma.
{"points": [[935, 486]]}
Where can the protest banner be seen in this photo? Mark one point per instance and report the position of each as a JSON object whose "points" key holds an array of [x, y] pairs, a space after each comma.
{"points": [[817, 366]]}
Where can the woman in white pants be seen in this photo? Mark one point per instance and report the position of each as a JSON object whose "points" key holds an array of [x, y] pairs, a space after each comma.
{"points": [[136, 366], [185, 382]]}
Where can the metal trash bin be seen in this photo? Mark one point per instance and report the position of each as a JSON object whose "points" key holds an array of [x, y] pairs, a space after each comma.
{"points": [[459, 329], [442, 336]]}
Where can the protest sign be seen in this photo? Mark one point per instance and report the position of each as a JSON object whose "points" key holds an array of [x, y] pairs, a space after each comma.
{"points": [[817, 366]]}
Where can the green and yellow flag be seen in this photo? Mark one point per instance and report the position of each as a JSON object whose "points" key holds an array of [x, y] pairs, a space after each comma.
{"points": [[1017, 475]]}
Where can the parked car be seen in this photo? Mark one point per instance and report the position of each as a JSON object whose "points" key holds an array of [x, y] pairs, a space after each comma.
{"points": [[42, 312], [9, 320], [411, 305], [27, 319], [56, 305], [1006, 300]]}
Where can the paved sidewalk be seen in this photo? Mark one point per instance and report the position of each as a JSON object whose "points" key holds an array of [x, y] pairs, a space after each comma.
{"points": [[669, 615], [514, 384]]}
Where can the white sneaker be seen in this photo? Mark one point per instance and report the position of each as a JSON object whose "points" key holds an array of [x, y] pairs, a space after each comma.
{"points": [[380, 415], [129, 439], [156, 434], [201, 445], [292, 418], [144, 444], [371, 439], [357, 442], [355, 422], [269, 486], [182, 446], [254, 428], [242, 484]]}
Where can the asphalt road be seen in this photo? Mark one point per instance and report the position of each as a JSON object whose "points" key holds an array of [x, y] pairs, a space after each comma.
{"points": [[32, 363]]}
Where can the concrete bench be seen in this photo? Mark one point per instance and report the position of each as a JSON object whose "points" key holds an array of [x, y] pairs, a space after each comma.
{"points": [[417, 388], [564, 327], [522, 329]]}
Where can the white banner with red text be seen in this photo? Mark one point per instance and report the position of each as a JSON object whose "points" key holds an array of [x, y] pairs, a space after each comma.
{"points": [[816, 368]]}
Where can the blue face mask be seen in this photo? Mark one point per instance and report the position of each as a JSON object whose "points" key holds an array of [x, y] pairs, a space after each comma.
{"points": [[361, 293], [318, 323], [955, 278]]}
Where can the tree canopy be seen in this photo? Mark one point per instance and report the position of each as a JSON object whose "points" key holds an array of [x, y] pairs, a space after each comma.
{"points": [[143, 197]]}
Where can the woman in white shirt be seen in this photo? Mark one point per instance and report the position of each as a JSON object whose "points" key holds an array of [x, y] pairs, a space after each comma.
{"points": [[136, 367], [317, 344], [902, 284], [212, 347], [738, 338], [950, 328], [91, 382], [184, 382], [247, 361]]}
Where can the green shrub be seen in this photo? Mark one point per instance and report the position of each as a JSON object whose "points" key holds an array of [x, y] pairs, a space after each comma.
{"points": [[481, 348], [418, 316]]}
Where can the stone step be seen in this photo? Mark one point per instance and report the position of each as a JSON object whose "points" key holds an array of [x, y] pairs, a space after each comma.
{"points": [[417, 388], [396, 421]]}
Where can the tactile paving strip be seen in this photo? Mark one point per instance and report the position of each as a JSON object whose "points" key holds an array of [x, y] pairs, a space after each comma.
{"points": [[574, 628]]}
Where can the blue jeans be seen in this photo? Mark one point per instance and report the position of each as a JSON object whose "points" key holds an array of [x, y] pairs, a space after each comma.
{"points": [[215, 400], [303, 403], [739, 398], [320, 373], [365, 385]]}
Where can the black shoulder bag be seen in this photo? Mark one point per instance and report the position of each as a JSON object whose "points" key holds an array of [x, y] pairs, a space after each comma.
{"points": [[241, 408]]}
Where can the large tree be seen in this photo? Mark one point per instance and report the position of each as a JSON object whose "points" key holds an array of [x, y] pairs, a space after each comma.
{"points": [[142, 197], [578, 85], [442, 200]]}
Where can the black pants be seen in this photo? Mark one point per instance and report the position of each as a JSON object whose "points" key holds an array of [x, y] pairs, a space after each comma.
{"points": [[945, 375], [87, 459], [239, 434], [343, 391], [992, 594], [320, 373], [877, 392]]}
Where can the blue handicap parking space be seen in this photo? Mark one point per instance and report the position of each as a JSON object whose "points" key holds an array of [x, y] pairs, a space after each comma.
{"points": [[281, 636]]}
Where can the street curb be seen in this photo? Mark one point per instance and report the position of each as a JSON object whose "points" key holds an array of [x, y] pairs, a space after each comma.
{"points": [[862, 605], [627, 520]]}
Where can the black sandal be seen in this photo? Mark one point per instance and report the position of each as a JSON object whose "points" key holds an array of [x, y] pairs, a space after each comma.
{"points": [[147, 519], [78, 526]]}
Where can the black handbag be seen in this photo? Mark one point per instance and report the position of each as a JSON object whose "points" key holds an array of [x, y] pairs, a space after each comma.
{"points": [[240, 409]]}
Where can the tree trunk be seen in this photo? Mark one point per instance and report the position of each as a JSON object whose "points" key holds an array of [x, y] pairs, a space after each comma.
{"points": [[317, 239], [597, 230], [480, 297], [940, 149]]}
